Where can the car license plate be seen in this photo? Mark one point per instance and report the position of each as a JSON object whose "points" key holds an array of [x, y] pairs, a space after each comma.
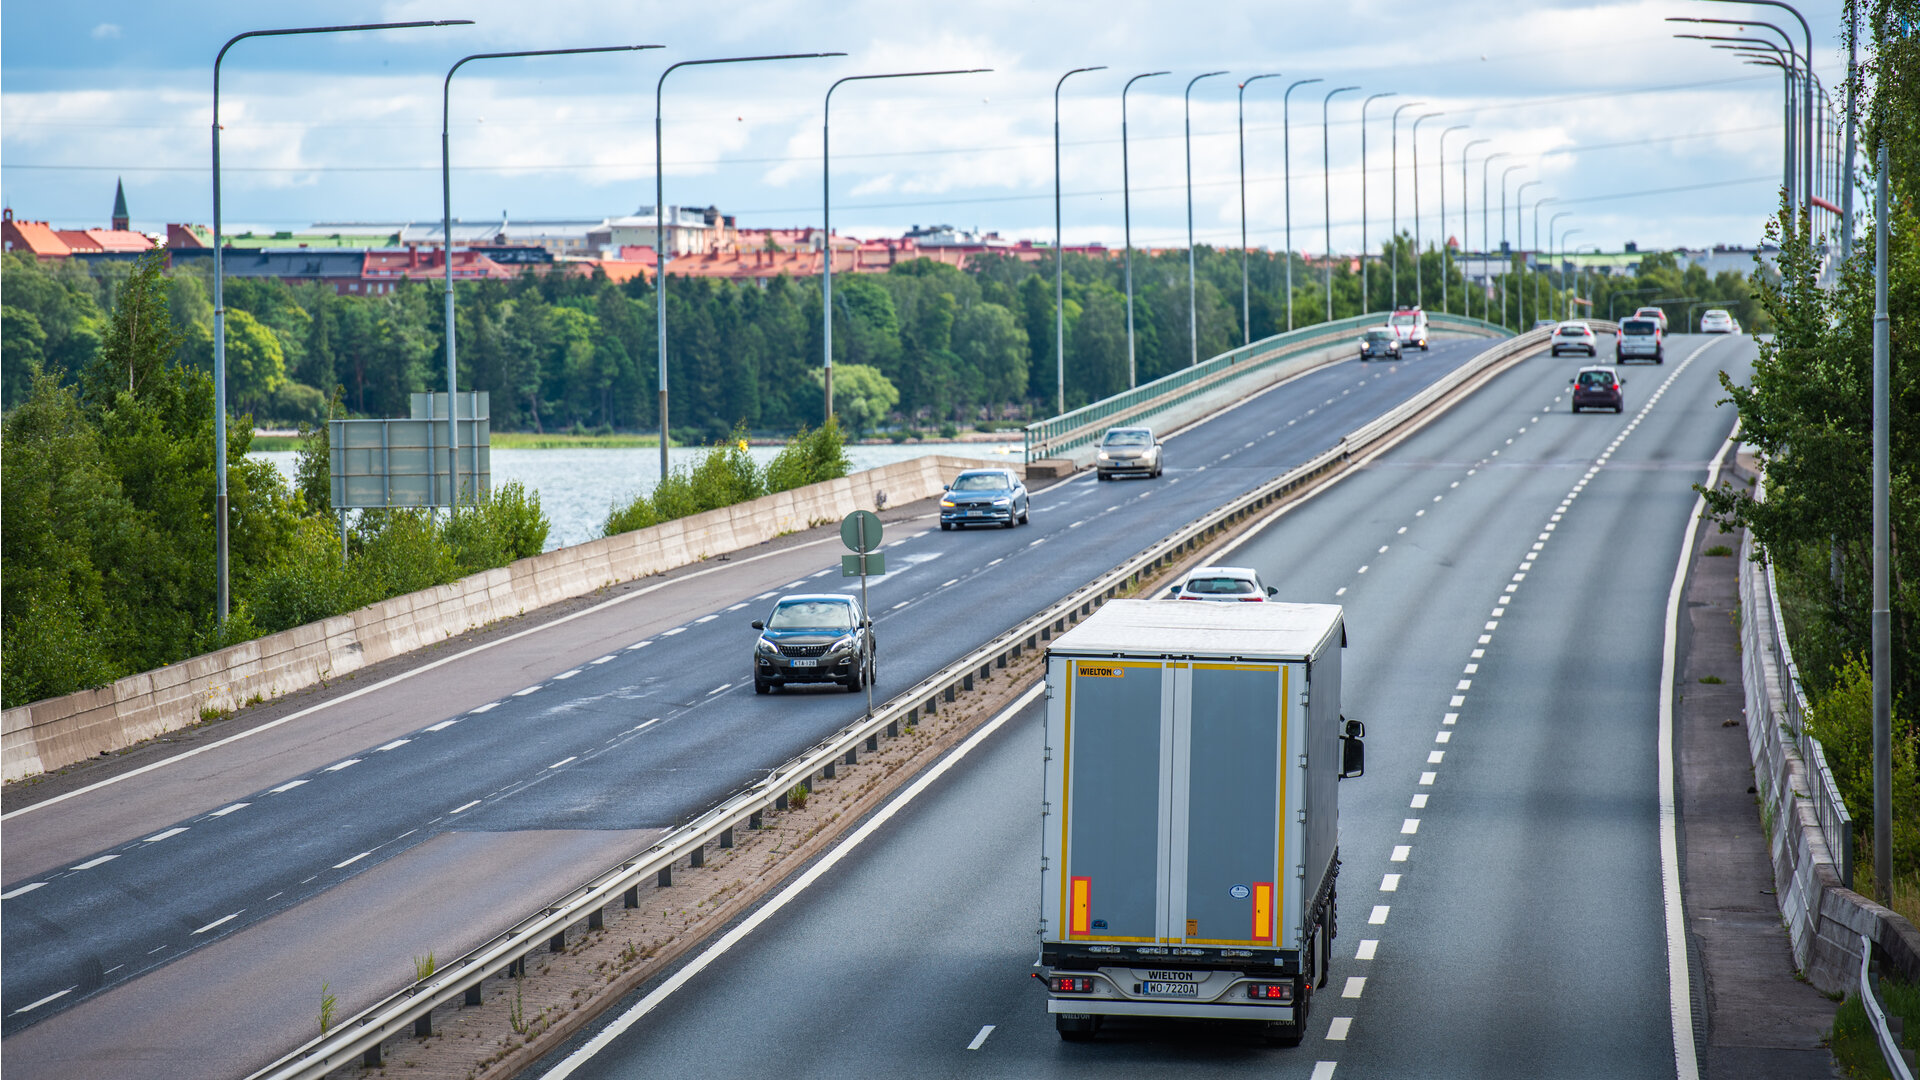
{"points": [[1173, 989], [803, 663], [975, 513]]}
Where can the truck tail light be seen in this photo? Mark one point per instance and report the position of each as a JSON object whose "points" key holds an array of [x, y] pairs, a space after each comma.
{"points": [[1072, 984], [1271, 991]]}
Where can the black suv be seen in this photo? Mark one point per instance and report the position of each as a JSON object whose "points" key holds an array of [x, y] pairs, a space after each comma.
{"points": [[821, 637]]}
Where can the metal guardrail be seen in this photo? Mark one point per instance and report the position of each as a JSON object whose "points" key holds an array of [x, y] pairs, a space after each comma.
{"points": [[1086, 424], [411, 1008], [1899, 1059]]}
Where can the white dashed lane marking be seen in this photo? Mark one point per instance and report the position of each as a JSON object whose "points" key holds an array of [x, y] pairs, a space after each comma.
{"points": [[157, 837], [286, 787], [222, 812], [22, 891], [91, 863], [217, 922]]}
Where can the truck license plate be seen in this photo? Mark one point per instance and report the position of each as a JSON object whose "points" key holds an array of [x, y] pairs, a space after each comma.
{"points": [[803, 663], [1174, 989]]}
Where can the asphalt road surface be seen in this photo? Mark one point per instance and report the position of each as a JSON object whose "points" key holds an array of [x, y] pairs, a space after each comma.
{"points": [[1505, 574], [625, 719]]}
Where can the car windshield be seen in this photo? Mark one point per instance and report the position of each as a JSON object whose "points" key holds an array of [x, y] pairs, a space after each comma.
{"points": [[1574, 329], [1595, 378], [985, 481], [1405, 320], [1650, 312], [1638, 327], [1379, 335], [1129, 438], [1219, 586], [1716, 313], [811, 615]]}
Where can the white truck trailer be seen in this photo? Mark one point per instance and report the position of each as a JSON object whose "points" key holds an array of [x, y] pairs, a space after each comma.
{"points": [[1191, 816]]}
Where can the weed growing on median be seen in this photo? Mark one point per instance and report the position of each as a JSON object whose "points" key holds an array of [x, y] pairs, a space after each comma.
{"points": [[797, 796], [328, 1003], [517, 1012], [1712, 680], [423, 968], [1718, 551]]}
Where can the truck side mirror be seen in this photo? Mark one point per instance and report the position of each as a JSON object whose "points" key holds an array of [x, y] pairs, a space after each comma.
{"points": [[1353, 751]]}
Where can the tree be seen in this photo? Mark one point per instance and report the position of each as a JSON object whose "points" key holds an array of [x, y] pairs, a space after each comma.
{"points": [[861, 394], [988, 339], [1097, 352], [256, 366]]}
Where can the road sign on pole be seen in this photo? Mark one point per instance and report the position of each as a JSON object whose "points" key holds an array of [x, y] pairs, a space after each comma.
{"points": [[860, 531]]}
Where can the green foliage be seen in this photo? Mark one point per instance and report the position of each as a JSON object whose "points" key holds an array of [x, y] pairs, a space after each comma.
{"points": [[1842, 719], [727, 475], [329, 1005], [862, 395]]}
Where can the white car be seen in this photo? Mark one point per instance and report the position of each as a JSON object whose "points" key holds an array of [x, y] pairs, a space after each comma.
{"points": [[1574, 336], [1410, 326], [1229, 583], [1717, 321], [1656, 313]]}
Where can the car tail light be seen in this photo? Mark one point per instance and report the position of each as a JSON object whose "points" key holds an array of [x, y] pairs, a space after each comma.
{"points": [[1071, 984], [1252, 599], [1271, 991]]}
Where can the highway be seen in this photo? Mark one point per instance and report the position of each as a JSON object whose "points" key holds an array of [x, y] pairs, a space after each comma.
{"points": [[1505, 573], [548, 754]]}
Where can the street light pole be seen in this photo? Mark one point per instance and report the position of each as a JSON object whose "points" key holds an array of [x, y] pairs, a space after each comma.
{"points": [[1286, 183], [1326, 195], [1506, 256], [1486, 230], [1442, 170], [1882, 617], [446, 238], [1466, 230], [1394, 127], [660, 256], [1545, 257], [826, 213], [1126, 210], [1246, 295], [221, 568], [1193, 314], [1807, 96], [1419, 274], [1575, 289], [1059, 265], [1366, 295], [1519, 221]]}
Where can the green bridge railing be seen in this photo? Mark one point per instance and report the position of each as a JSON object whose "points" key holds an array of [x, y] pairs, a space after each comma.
{"points": [[1082, 426]]}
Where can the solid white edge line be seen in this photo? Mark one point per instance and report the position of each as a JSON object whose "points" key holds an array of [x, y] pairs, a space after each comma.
{"points": [[1679, 976], [606, 1035], [384, 683]]}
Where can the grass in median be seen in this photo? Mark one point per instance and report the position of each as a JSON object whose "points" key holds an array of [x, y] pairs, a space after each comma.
{"points": [[1852, 1039]]}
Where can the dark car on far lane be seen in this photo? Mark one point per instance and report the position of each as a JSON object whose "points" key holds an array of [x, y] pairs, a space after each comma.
{"points": [[985, 497], [1598, 388], [1380, 343], [813, 638]]}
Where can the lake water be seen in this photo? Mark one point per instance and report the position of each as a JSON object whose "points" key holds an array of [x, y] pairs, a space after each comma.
{"points": [[578, 486]]}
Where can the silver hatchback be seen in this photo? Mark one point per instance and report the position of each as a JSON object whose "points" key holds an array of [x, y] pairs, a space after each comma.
{"points": [[1128, 451]]}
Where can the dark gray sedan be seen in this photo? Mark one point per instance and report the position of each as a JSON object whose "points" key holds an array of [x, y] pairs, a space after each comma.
{"points": [[1380, 343], [813, 638], [985, 497]]}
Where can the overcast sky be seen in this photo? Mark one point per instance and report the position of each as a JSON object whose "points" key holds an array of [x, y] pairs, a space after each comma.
{"points": [[1638, 136]]}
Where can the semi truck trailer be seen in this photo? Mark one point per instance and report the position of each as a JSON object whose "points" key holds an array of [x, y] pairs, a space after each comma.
{"points": [[1191, 814]]}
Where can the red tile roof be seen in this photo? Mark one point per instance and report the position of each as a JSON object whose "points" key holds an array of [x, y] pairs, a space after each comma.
{"points": [[34, 236]]}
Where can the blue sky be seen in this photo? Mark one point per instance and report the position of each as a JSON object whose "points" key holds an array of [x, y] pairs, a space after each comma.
{"points": [[1594, 100]]}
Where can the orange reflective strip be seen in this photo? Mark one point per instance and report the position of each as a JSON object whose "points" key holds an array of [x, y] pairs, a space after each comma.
{"points": [[1263, 911], [1080, 914]]}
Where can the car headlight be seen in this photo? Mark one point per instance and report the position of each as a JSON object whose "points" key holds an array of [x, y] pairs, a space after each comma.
{"points": [[845, 644], [946, 503], [766, 648], [1003, 502], [1104, 456]]}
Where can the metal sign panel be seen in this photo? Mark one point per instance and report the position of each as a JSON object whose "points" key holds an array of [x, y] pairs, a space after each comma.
{"points": [[378, 464], [473, 405]]}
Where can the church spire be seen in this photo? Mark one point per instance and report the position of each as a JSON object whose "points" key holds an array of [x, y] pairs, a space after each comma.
{"points": [[119, 206]]}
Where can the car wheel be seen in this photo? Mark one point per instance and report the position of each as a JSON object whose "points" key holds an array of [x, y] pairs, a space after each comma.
{"points": [[853, 682], [760, 687], [1012, 519], [1659, 359], [946, 526], [1619, 408], [1026, 513]]}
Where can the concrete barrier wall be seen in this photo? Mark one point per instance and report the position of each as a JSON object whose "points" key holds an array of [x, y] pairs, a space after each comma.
{"points": [[58, 732], [1824, 917]]}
